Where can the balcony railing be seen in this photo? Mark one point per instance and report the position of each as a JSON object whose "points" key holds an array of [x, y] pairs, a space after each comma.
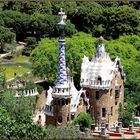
{"points": [[95, 84]]}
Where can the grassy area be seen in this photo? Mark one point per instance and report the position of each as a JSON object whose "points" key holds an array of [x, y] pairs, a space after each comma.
{"points": [[17, 65], [20, 59], [11, 70]]}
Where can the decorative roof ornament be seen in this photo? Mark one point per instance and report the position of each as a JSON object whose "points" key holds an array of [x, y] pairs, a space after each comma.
{"points": [[100, 52], [101, 40], [61, 23]]}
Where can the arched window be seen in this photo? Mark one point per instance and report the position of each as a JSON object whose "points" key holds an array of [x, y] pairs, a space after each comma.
{"points": [[110, 92], [103, 112], [87, 94], [112, 111], [59, 119], [72, 116], [117, 93], [97, 96], [59, 102], [63, 102], [67, 102], [58, 90], [99, 80]]}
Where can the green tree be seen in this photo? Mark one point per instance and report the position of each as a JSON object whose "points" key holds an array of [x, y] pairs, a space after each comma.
{"points": [[124, 47], [16, 117], [12, 128], [84, 120], [6, 122], [131, 39], [36, 25], [17, 22], [46, 26], [2, 77], [69, 132], [18, 107], [31, 44], [116, 19], [29, 7], [133, 85], [89, 17], [6, 36], [99, 19], [127, 113], [68, 7], [45, 56]]}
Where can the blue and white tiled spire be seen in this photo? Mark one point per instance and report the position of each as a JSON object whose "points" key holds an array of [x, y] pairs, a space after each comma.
{"points": [[62, 81]]}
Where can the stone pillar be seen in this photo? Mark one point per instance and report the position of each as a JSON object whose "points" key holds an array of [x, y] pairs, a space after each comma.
{"points": [[130, 127], [77, 126], [107, 126], [83, 135], [28, 93], [118, 130], [87, 132], [120, 124], [103, 131]]}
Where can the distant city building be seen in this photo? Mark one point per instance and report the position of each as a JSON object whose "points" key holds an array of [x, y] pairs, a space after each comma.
{"points": [[102, 92]]}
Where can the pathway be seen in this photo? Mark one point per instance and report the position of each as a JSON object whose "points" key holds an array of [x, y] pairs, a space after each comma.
{"points": [[18, 48]]}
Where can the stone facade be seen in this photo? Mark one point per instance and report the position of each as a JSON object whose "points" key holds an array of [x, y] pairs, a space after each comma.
{"points": [[99, 99], [60, 113]]}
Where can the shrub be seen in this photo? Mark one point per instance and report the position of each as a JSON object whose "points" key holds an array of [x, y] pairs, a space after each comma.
{"points": [[39, 88], [69, 132], [84, 120]]}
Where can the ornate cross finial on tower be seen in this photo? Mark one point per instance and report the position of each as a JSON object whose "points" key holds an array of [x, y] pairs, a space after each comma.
{"points": [[61, 23]]}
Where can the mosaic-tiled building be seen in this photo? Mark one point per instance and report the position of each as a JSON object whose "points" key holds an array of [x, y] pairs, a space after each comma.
{"points": [[102, 92], [103, 81]]}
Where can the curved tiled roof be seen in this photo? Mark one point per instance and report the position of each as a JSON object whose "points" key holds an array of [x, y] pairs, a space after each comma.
{"points": [[100, 71]]}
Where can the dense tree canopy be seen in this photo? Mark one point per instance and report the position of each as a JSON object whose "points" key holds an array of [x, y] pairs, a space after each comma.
{"points": [[36, 25], [6, 36], [29, 7], [39, 19], [117, 21]]}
